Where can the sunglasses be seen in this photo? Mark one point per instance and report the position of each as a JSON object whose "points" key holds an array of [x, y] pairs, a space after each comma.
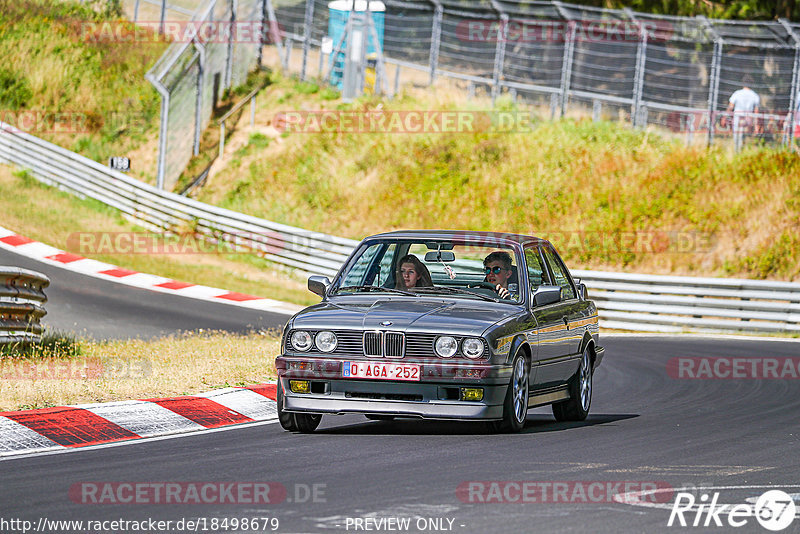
{"points": [[495, 270]]}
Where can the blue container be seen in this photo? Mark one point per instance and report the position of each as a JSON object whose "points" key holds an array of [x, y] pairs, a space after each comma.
{"points": [[338, 14]]}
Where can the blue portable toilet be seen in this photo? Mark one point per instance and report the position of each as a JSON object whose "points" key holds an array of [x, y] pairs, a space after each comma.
{"points": [[338, 15]]}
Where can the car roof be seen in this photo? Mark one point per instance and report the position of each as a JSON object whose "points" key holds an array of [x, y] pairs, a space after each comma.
{"points": [[469, 235]]}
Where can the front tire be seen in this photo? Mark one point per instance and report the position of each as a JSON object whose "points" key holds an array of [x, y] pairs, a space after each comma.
{"points": [[307, 422], [286, 419], [515, 406], [580, 392]]}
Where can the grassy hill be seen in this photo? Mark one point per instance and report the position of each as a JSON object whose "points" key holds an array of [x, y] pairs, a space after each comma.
{"points": [[609, 197], [87, 94]]}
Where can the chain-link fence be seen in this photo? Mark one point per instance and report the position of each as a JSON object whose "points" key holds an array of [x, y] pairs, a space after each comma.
{"points": [[675, 72], [211, 52]]}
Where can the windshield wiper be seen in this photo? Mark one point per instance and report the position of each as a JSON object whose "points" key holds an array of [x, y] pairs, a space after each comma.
{"points": [[455, 290], [376, 288]]}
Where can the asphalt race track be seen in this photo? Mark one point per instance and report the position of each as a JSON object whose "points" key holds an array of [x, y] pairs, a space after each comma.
{"points": [[107, 310], [646, 427]]}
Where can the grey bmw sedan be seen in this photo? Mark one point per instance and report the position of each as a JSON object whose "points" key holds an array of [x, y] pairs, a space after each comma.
{"points": [[442, 325]]}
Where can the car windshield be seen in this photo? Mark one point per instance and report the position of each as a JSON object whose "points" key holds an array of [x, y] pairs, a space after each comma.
{"points": [[463, 269]]}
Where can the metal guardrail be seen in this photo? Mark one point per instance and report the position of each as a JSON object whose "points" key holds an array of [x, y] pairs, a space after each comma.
{"points": [[678, 303], [310, 252], [626, 301], [22, 301]]}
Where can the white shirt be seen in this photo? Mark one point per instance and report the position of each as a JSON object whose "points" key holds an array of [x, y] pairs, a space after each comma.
{"points": [[744, 101]]}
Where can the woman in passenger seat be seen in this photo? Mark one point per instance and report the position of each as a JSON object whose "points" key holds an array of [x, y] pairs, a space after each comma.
{"points": [[411, 273]]}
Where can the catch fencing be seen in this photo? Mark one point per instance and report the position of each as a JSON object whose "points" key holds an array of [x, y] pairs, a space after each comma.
{"points": [[626, 301], [674, 72], [22, 301], [212, 52]]}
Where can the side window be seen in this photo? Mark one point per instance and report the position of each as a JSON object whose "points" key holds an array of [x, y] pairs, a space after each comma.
{"points": [[536, 272], [374, 267], [560, 274]]}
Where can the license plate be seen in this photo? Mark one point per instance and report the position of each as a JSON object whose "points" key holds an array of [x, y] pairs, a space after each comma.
{"points": [[380, 371]]}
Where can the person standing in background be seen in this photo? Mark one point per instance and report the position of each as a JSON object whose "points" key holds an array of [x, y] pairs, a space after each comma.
{"points": [[744, 103]]}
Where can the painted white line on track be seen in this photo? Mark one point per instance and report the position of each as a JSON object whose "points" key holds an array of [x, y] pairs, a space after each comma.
{"points": [[689, 335]]}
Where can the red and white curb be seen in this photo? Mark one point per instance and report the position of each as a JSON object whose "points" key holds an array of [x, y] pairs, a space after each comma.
{"points": [[66, 427], [45, 253]]}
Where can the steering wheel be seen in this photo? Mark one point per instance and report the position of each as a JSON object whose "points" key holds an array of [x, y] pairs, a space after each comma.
{"points": [[485, 285]]}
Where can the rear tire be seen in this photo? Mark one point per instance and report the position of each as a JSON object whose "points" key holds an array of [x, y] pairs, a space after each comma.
{"points": [[515, 406], [307, 422], [286, 419], [580, 392]]}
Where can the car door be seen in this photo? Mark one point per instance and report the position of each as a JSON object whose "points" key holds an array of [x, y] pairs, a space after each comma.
{"points": [[558, 343]]}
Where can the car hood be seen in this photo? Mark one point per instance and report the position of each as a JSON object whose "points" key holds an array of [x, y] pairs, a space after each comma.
{"points": [[453, 316]]}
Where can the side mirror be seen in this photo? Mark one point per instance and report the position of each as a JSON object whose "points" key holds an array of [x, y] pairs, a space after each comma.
{"points": [[318, 285], [546, 295], [581, 289]]}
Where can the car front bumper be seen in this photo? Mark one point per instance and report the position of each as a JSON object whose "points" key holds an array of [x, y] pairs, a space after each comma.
{"points": [[435, 396]]}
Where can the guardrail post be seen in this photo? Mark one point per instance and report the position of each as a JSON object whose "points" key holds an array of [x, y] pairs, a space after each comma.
{"points": [[308, 23], [436, 39], [253, 111], [221, 139]]}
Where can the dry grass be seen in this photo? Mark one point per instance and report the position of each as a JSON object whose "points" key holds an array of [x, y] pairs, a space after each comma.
{"points": [[135, 369], [50, 216], [572, 181]]}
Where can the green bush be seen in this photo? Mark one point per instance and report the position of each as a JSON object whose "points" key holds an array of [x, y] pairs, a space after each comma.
{"points": [[15, 90]]}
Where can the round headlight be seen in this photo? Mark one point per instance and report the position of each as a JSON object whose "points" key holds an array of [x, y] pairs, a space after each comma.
{"points": [[446, 346], [325, 341], [301, 340], [472, 347]]}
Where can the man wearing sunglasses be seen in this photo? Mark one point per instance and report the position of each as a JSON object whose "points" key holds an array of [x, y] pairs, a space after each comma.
{"points": [[497, 267]]}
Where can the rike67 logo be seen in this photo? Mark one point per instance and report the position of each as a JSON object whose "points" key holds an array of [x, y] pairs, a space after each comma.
{"points": [[774, 510]]}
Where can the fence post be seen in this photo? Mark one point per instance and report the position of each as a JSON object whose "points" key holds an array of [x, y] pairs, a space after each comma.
{"points": [[639, 73], [198, 110], [163, 16], [566, 67], [229, 56], [499, 53], [436, 39], [789, 138], [713, 81], [162, 132], [307, 26]]}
